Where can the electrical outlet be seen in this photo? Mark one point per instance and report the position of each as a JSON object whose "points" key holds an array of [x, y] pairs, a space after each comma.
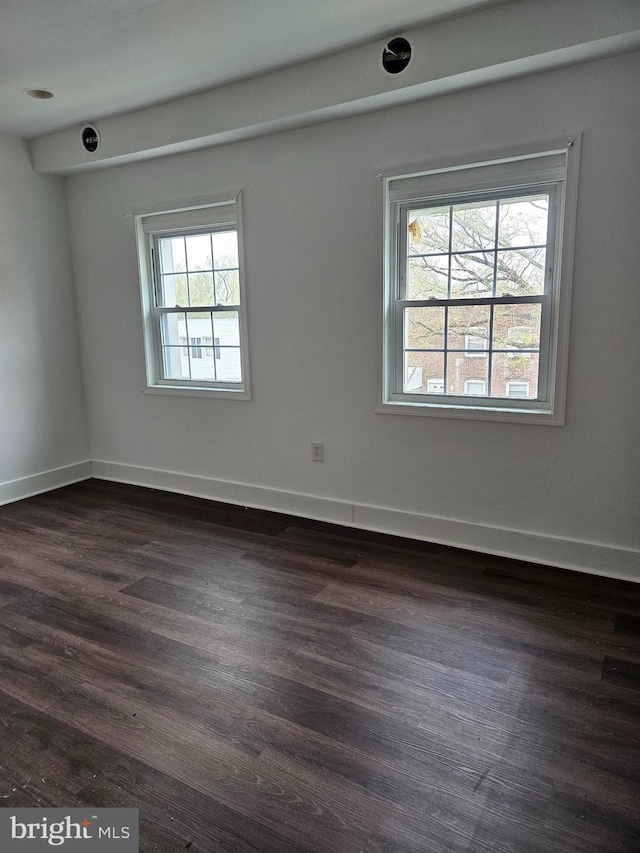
{"points": [[317, 451]]}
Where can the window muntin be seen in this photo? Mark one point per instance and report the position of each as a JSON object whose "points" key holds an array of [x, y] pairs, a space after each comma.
{"points": [[442, 263], [470, 272], [193, 301], [200, 269], [476, 248], [198, 298]]}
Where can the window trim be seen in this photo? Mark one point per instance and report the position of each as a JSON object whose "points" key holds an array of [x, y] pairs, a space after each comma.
{"points": [[168, 222], [551, 412]]}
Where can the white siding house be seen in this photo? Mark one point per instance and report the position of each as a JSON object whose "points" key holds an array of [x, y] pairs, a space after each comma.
{"points": [[208, 356]]}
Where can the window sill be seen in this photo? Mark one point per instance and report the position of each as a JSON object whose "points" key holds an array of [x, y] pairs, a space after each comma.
{"points": [[197, 391], [544, 417]]}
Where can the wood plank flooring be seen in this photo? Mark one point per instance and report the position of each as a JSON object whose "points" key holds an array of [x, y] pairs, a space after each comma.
{"points": [[257, 683]]}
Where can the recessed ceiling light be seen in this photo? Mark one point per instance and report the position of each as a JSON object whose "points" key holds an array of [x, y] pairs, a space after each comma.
{"points": [[39, 94]]}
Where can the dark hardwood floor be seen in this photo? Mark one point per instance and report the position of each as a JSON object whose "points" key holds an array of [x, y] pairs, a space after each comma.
{"points": [[256, 682]]}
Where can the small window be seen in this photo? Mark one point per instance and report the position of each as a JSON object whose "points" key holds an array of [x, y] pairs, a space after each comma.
{"points": [[478, 262], [475, 387], [193, 295], [517, 389], [475, 342]]}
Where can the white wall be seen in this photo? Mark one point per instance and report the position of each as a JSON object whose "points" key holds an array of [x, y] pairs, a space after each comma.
{"points": [[43, 436], [312, 210]]}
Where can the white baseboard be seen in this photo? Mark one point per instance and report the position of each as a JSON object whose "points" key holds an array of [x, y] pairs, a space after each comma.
{"points": [[241, 494], [26, 487], [591, 557]]}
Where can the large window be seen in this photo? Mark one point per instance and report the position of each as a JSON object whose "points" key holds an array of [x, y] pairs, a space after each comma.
{"points": [[193, 296], [478, 267]]}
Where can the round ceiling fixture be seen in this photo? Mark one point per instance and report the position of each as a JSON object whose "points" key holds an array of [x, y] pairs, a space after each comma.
{"points": [[396, 55], [38, 94]]}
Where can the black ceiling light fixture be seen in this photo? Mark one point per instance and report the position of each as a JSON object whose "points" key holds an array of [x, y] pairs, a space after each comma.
{"points": [[396, 55], [90, 138]]}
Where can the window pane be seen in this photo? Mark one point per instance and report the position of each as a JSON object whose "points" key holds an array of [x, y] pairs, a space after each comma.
{"points": [[198, 329], [202, 364], [423, 372], [428, 231], [461, 369], [516, 327], [225, 250], [228, 365], [199, 252], [176, 363], [465, 321], [173, 329], [226, 328], [473, 226], [194, 357], [428, 278], [172, 254], [201, 288], [173, 291], [424, 328], [518, 369], [472, 275], [227, 287], [523, 221], [520, 272]]}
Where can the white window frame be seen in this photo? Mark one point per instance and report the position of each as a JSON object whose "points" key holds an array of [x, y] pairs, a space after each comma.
{"points": [[191, 216], [551, 166]]}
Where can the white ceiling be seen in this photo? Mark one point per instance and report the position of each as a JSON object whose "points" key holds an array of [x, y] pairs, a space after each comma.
{"points": [[102, 57]]}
